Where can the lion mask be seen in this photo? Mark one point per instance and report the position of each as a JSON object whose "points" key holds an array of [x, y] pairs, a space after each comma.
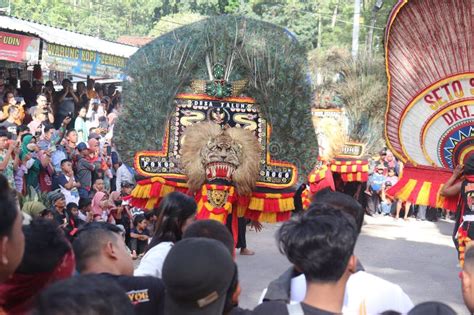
{"points": [[211, 153]]}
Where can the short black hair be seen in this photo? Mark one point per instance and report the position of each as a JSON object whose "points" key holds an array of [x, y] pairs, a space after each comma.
{"points": [[65, 161], [319, 245], [432, 307], [48, 127], [69, 132], [71, 206], [90, 239], [45, 212], [211, 229], [84, 202], [4, 133], [85, 294], [22, 128], [45, 246], [340, 201], [9, 208], [139, 218], [148, 215]]}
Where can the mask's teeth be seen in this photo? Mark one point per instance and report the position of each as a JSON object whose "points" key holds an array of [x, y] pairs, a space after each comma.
{"points": [[213, 170]]}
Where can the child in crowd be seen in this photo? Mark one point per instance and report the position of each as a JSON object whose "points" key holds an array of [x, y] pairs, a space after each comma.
{"points": [[386, 203], [47, 214], [139, 236]]}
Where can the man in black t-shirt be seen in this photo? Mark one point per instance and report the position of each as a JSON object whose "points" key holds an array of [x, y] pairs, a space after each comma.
{"points": [[321, 244], [100, 249], [10, 123]]}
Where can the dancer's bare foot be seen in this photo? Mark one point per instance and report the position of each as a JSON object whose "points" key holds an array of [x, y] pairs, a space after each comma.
{"points": [[246, 252]]}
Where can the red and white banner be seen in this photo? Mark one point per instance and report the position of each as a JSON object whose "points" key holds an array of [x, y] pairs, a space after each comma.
{"points": [[19, 48]]}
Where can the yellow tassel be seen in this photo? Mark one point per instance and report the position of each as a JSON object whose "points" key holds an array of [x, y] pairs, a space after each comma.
{"points": [[138, 192], [151, 203], [267, 217], [157, 179], [406, 190], [166, 189], [271, 196], [241, 211], [287, 204], [217, 217], [256, 204], [424, 194], [440, 200], [134, 192]]}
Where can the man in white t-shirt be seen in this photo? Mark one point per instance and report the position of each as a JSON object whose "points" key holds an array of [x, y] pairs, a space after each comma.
{"points": [[365, 293]]}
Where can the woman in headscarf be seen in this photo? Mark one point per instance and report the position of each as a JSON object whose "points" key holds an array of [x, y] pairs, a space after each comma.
{"points": [[29, 158], [100, 205]]}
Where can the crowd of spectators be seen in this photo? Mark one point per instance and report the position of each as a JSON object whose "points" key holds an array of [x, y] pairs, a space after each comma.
{"points": [[385, 171], [57, 146]]}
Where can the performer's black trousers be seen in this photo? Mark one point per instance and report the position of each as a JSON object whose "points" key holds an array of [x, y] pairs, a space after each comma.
{"points": [[242, 229]]}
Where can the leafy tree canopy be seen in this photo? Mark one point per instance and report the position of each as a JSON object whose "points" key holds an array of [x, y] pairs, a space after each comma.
{"points": [[316, 23]]}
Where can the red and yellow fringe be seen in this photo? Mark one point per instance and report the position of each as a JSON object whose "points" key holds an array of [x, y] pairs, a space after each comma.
{"points": [[149, 192], [262, 207], [351, 170], [306, 198], [270, 207], [320, 179], [422, 185]]}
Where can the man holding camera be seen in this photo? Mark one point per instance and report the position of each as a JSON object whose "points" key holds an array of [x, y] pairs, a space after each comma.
{"points": [[42, 107], [65, 103], [8, 160]]}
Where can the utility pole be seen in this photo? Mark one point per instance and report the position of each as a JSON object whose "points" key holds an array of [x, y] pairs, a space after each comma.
{"points": [[320, 31], [370, 36], [356, 29]]}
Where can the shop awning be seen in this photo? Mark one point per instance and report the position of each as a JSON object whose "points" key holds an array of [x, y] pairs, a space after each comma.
{"points": [[73, 53], [63, 37]]}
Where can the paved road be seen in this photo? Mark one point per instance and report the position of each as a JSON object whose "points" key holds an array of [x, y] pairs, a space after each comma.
{"points": [[419, 256]]}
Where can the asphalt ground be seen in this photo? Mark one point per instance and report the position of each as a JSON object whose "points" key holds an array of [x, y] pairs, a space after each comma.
{"points": [[417, 255]]}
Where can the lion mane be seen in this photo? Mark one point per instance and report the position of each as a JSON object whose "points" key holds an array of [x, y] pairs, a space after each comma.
{"points": [[206, 144]]}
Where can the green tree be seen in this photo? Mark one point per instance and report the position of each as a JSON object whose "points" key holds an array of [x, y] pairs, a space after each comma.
{"points": [[173, 21]]}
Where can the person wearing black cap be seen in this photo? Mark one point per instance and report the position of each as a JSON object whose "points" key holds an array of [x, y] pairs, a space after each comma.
{"points": [[462, 182], [208, 287], [58, 207]]}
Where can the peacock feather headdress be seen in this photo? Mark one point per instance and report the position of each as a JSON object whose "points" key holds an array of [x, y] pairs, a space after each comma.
{"points": [[221, 56]]}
